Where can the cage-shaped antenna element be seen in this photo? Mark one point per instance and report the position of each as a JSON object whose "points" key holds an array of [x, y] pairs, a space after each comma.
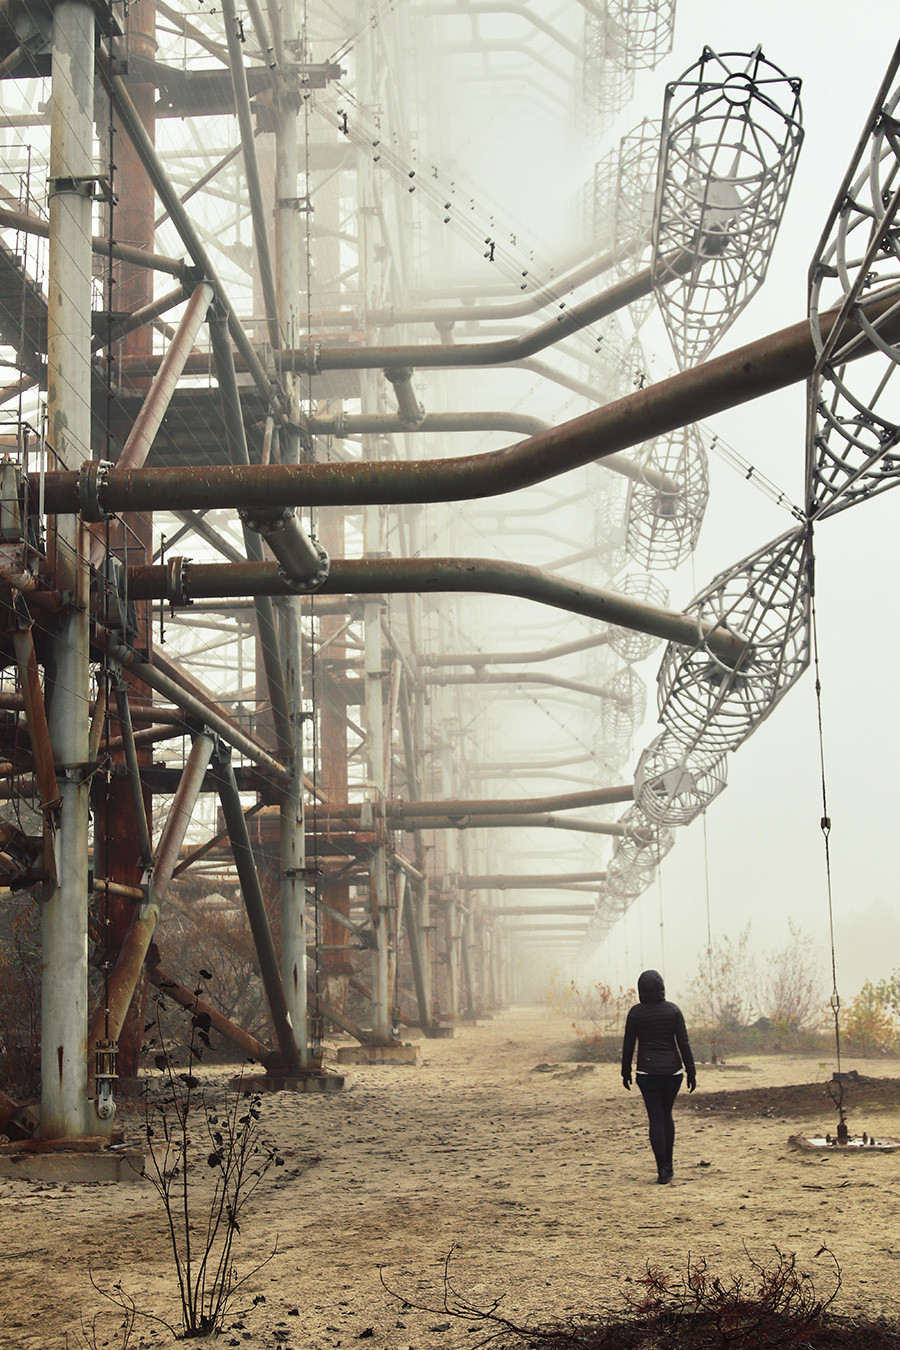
{"points": [[647, 841], [624, 201], [639, 32], [731, 136], [706, 703], [608, 81], [624, 706], [664, 511], [674, 782], [625, 642], [853, 424]]}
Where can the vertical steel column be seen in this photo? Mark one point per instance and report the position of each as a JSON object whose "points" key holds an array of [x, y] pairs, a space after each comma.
{"points": [[452, 867], [288, 244], [416, 909], [64, 1069], [292, 833], [379, 898]]}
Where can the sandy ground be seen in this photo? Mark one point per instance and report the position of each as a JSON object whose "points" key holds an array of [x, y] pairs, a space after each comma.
{"points": [[541, 1182]]}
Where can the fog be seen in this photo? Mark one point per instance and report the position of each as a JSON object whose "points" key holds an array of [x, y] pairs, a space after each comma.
{"points": [[760, 860]]}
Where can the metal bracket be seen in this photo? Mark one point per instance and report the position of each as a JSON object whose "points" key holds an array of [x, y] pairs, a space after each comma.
{"points": [[302, 204], [94, 186]]}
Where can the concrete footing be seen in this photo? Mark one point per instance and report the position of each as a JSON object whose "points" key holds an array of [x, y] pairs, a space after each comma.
{"points": [[72, 1160], [440, 1032], [289, 1082], [377, 1054]]}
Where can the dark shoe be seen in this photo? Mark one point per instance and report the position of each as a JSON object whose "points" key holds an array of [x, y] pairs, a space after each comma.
{"points": [[664, 1176]]}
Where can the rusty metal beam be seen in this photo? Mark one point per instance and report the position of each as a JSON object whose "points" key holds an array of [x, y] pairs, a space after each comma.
{"points": [[243, 1040]]}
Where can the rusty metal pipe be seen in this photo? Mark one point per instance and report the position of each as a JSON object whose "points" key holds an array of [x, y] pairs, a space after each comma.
{"points": [[247, 1044], [505, 882], [35, 716], [538, 820], [507, 677], [176, 267], [563, 801], [398, 575], [479, 659], [378, 424], [524, 911], [315, 358], [761, 367]]}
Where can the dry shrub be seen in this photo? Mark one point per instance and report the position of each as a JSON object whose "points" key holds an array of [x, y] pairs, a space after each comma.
{"points": [[773, 1306]]}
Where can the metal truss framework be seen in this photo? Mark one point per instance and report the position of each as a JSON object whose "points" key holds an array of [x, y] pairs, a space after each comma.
{"points": [[223, 397]]}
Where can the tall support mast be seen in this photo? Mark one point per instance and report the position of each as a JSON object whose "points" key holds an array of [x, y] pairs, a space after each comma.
{"points": [[64, 1070]]}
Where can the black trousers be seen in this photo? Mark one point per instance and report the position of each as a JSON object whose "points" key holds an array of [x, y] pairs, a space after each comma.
{"points": [[659, 1103]]}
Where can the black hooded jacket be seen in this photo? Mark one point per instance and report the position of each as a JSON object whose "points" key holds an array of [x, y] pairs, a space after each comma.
{"points": [[658, 1028]]}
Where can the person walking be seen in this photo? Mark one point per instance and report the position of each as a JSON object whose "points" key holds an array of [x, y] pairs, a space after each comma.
{"points": [[663, 1058]]}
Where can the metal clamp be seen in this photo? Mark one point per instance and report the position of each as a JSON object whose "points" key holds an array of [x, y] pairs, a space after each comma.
{"points": [[91, 481], [177, 572]]}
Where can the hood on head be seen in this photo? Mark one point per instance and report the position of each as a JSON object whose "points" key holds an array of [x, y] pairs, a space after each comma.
{"points": [[651, 987]]}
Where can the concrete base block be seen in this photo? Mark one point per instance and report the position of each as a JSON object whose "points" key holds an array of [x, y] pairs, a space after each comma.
{"points": [[72, 1160], [288, 1082], [440, 1032], [377, 1054]]}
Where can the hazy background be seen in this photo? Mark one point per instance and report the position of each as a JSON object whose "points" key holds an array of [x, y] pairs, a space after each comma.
{"points": [[765, 851]]}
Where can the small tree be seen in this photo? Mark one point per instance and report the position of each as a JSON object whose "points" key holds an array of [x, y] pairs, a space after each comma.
{"points": [[722, 990], [868, 1022], [205, 1162], [789, 991]]}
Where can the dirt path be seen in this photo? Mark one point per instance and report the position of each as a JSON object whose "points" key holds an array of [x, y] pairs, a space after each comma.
{"points": [[542, 1182]]}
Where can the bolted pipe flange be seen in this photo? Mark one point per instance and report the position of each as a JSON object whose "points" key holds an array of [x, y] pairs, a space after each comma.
{"points": [[265, 522], [177, 572], [92, 477], [313, 582]]}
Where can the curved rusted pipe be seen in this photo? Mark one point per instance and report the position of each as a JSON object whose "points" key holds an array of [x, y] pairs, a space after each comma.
{"points": [[315, 357], [773, 362], [379, 424], [415, 575]]}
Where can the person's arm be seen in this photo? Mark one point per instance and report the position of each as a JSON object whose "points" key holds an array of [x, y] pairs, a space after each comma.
{"points": [[684, 1049], [628, 1049]]}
